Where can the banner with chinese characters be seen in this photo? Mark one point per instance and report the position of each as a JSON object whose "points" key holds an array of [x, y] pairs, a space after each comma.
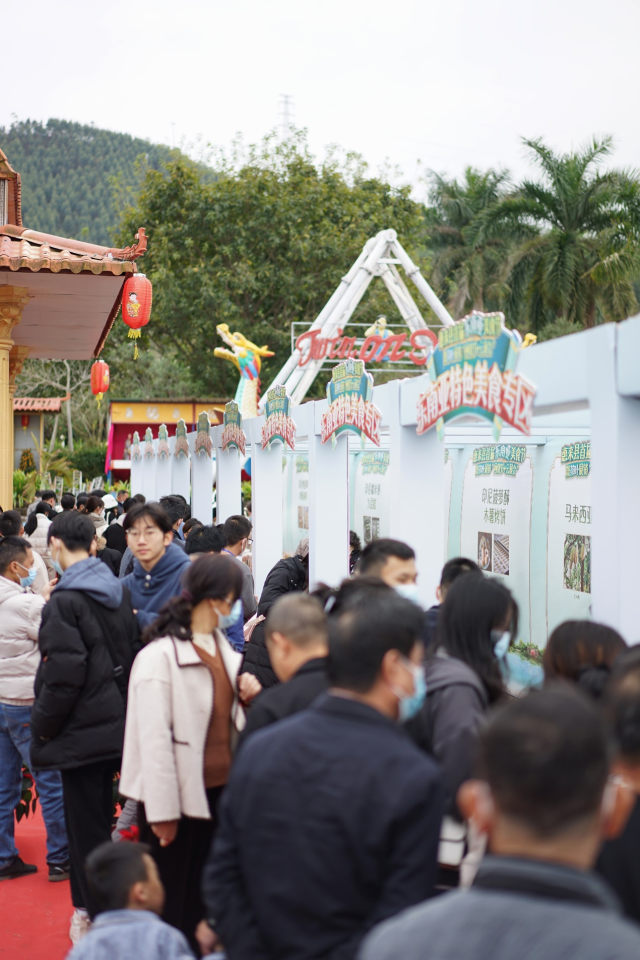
{"points": [[472, 371], [569, 535], [496, 528], [278, 424], [370, 494], [577, 459], [504, 458], [351, 409], [233, 436]]}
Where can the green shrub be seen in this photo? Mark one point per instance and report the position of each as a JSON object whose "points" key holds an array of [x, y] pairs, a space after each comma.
{"points": [[27, 462], [90, 460]]}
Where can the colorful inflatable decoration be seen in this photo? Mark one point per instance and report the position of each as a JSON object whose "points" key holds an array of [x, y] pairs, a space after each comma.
{"points": [[246, 356]]}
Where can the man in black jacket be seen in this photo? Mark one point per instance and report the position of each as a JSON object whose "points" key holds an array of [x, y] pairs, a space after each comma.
{"points": [[330, 819], [290, 575], [296, 635], [88, 638]]}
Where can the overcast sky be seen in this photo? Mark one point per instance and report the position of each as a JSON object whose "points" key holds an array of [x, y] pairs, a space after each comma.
{"points": [[443, 84]]}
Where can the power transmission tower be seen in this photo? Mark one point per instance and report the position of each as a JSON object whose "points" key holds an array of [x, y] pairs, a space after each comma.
{"points": [[286, 119]]}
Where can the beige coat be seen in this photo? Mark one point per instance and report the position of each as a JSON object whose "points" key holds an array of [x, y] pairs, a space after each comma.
{"points": [[38, 543], [168, 714]]}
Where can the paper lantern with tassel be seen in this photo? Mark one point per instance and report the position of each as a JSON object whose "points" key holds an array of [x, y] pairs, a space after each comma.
{"points": [[99, 379], [136, 305]]}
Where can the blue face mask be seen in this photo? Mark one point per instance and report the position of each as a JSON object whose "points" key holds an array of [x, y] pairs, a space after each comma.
{"points": [[226, 620], [412, 704], [501, 643], [409, 591], [28, 580]]}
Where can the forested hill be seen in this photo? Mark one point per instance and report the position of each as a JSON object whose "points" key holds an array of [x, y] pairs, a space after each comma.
{"points": [[66, 171]]}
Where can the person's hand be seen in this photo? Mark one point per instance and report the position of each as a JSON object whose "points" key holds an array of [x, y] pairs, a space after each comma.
{"points": [[48, 587], [248, 687], [206, 937], [165, 832]]}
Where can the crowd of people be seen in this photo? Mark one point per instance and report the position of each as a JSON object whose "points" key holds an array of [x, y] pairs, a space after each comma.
{"points": [[326, 773]]}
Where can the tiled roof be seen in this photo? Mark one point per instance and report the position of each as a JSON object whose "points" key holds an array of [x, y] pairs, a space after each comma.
{"points": [[38, 404], [23, 249]]}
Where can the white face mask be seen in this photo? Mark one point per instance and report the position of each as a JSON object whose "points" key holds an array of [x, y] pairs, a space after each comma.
{"points": [[409, 591]]}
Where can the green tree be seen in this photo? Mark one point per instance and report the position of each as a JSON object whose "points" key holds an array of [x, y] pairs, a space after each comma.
{"points": [[66, 171], [581, 256], [466, 269], [263, 245]]}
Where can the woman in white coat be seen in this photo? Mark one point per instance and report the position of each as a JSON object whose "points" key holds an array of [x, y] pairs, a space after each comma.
{"points": [[36, 529], [183, 717]]}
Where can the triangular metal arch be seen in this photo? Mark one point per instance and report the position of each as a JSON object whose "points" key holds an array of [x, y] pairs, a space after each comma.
{"points": [[374, 261]]}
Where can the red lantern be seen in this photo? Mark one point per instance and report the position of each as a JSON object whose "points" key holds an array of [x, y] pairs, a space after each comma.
{"points": [[24, 420], [136, 305], [99, 379]]}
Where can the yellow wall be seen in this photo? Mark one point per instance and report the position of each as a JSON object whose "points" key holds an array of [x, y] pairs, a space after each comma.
{"points": [[162, 412]]}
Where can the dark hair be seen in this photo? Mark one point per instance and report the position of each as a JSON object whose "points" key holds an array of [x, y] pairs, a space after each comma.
{"points": [[474, 606], [454, 567], [351, 593], [82, 497], [583, 652], [12, 548], [47, 495], [362, 635], [32, 519], [139, 498], [175, 507], [298, 617], [75, 530], [190, 524], [207, 578], [236, 529], [247, 506], [354, 541], [10, 523], [204, 540], [112, 869], [376, 554], [128, 503], [546, 759], [621, 704], [153, 512], [93, 503], [67, 501]]}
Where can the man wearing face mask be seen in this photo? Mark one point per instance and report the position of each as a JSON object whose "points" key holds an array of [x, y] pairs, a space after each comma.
{"points": [[20, 613], [335, 801], [11, 525], [88, 639], [394, 562]]}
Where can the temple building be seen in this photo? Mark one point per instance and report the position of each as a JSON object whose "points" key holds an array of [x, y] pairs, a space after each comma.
{"points": [[58, 301]]}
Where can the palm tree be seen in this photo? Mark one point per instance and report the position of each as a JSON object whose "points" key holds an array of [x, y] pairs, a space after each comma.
{"points": [[466, 267], [579, 254]]}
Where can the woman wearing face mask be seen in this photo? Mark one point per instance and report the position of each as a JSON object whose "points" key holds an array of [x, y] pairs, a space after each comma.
{"points": [[183, 717], [477, 622]]}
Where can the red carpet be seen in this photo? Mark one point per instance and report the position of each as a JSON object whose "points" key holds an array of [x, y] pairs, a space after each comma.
{"points": [[34, 914]]}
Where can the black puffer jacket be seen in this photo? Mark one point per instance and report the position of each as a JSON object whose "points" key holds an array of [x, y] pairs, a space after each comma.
{"points": [[78, 716], [287, 576]]}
